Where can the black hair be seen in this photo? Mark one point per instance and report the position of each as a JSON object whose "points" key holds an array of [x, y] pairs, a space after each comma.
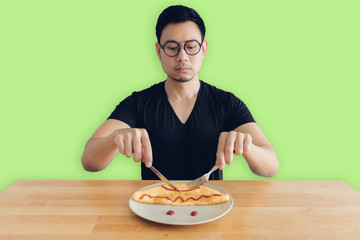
{"points": [[179, 14]]}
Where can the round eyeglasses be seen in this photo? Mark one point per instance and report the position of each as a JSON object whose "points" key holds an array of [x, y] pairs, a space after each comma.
{"points": [[172, 48]]}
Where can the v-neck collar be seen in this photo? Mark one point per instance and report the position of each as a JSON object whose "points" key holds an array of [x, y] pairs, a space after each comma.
{"points": [[192, 111]]}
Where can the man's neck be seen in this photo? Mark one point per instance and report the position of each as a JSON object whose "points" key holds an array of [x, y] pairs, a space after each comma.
{"points": [[182, 91]]}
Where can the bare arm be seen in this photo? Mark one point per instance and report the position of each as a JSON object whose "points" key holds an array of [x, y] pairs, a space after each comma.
{"points": [[249, 141], [112, 137]]}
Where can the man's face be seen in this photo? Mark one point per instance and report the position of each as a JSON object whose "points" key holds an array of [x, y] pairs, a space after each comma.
{"points": [[183, 67]]}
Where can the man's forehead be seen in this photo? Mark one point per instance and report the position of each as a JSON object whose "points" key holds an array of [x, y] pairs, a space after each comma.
{"points": [[181, 32]]}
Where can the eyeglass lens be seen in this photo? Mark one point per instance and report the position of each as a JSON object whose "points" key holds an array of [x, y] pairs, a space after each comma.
{"points": [[191, 47]]}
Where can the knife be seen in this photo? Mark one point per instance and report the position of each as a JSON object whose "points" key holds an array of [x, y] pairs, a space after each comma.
{"points": [[163, 178]]}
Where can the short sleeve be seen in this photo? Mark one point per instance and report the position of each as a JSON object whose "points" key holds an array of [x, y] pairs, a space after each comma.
{"points": [[238, 114], [126, 111]]}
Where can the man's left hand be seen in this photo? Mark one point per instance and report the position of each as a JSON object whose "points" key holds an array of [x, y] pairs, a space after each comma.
{"points": [[232, 143]]}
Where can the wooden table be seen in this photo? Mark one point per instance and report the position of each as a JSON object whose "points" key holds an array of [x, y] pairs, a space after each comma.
{"points": [[99, 210]]}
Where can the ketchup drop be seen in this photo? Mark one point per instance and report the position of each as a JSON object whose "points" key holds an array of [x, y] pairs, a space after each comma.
{"points": [[170, 212], [194, 213]]}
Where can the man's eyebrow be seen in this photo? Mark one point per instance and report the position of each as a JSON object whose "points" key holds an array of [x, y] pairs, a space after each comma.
{"points": [[171, 40]]}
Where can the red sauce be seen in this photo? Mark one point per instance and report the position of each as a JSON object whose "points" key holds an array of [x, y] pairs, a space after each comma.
{"points": [[170, 212], [179, 197], [170, 189], [194, 213], [182, 200]]}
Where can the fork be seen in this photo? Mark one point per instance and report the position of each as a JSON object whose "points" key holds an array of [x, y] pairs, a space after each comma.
{"points": [[201, 180]]}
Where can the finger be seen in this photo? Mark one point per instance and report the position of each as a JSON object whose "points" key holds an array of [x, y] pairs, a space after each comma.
{"points": [[137, 147], [247, 143], [128, 144], [220, 157], [146, 149], [239, 144], [229, 147], [220, 160], [119, 142]]}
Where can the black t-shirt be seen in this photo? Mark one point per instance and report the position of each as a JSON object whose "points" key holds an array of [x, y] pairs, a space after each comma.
{"points": [[183, 151]]}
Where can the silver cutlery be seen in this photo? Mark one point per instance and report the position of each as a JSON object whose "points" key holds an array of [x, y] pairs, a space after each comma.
{"points": [[201, 180], [163, 178]]}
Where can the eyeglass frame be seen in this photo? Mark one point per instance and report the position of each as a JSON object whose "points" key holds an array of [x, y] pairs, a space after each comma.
{"points": [[179, 45]]}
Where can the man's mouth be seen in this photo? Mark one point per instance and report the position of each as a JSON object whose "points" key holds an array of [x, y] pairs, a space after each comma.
{"points": [[182, 69]]}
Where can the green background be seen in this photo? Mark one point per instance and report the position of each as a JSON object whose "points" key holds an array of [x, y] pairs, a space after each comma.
{"points": [[65, 65]]}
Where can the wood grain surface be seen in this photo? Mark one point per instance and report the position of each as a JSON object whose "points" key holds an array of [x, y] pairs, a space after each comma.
{"points": [[99, 210]]}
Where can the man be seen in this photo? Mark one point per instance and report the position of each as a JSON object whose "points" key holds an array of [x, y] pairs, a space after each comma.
{"points": [[182, 125]]}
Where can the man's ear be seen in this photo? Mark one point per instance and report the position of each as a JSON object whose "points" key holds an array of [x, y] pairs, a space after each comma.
{"points": [[157, 45], [204, 48]]}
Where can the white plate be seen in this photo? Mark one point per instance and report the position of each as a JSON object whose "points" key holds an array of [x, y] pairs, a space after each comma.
{"points": [[182, 216]]}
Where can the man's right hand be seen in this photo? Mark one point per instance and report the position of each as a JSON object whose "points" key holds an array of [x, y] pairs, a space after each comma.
{"points": [[112, 137], [135, 141]]}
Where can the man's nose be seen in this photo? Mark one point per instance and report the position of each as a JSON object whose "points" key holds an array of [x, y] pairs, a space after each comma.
{"points": [[182, 56]]}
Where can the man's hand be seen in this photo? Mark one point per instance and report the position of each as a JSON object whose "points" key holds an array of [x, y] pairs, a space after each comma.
{"points": [[135, 141], [230, 143]]}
